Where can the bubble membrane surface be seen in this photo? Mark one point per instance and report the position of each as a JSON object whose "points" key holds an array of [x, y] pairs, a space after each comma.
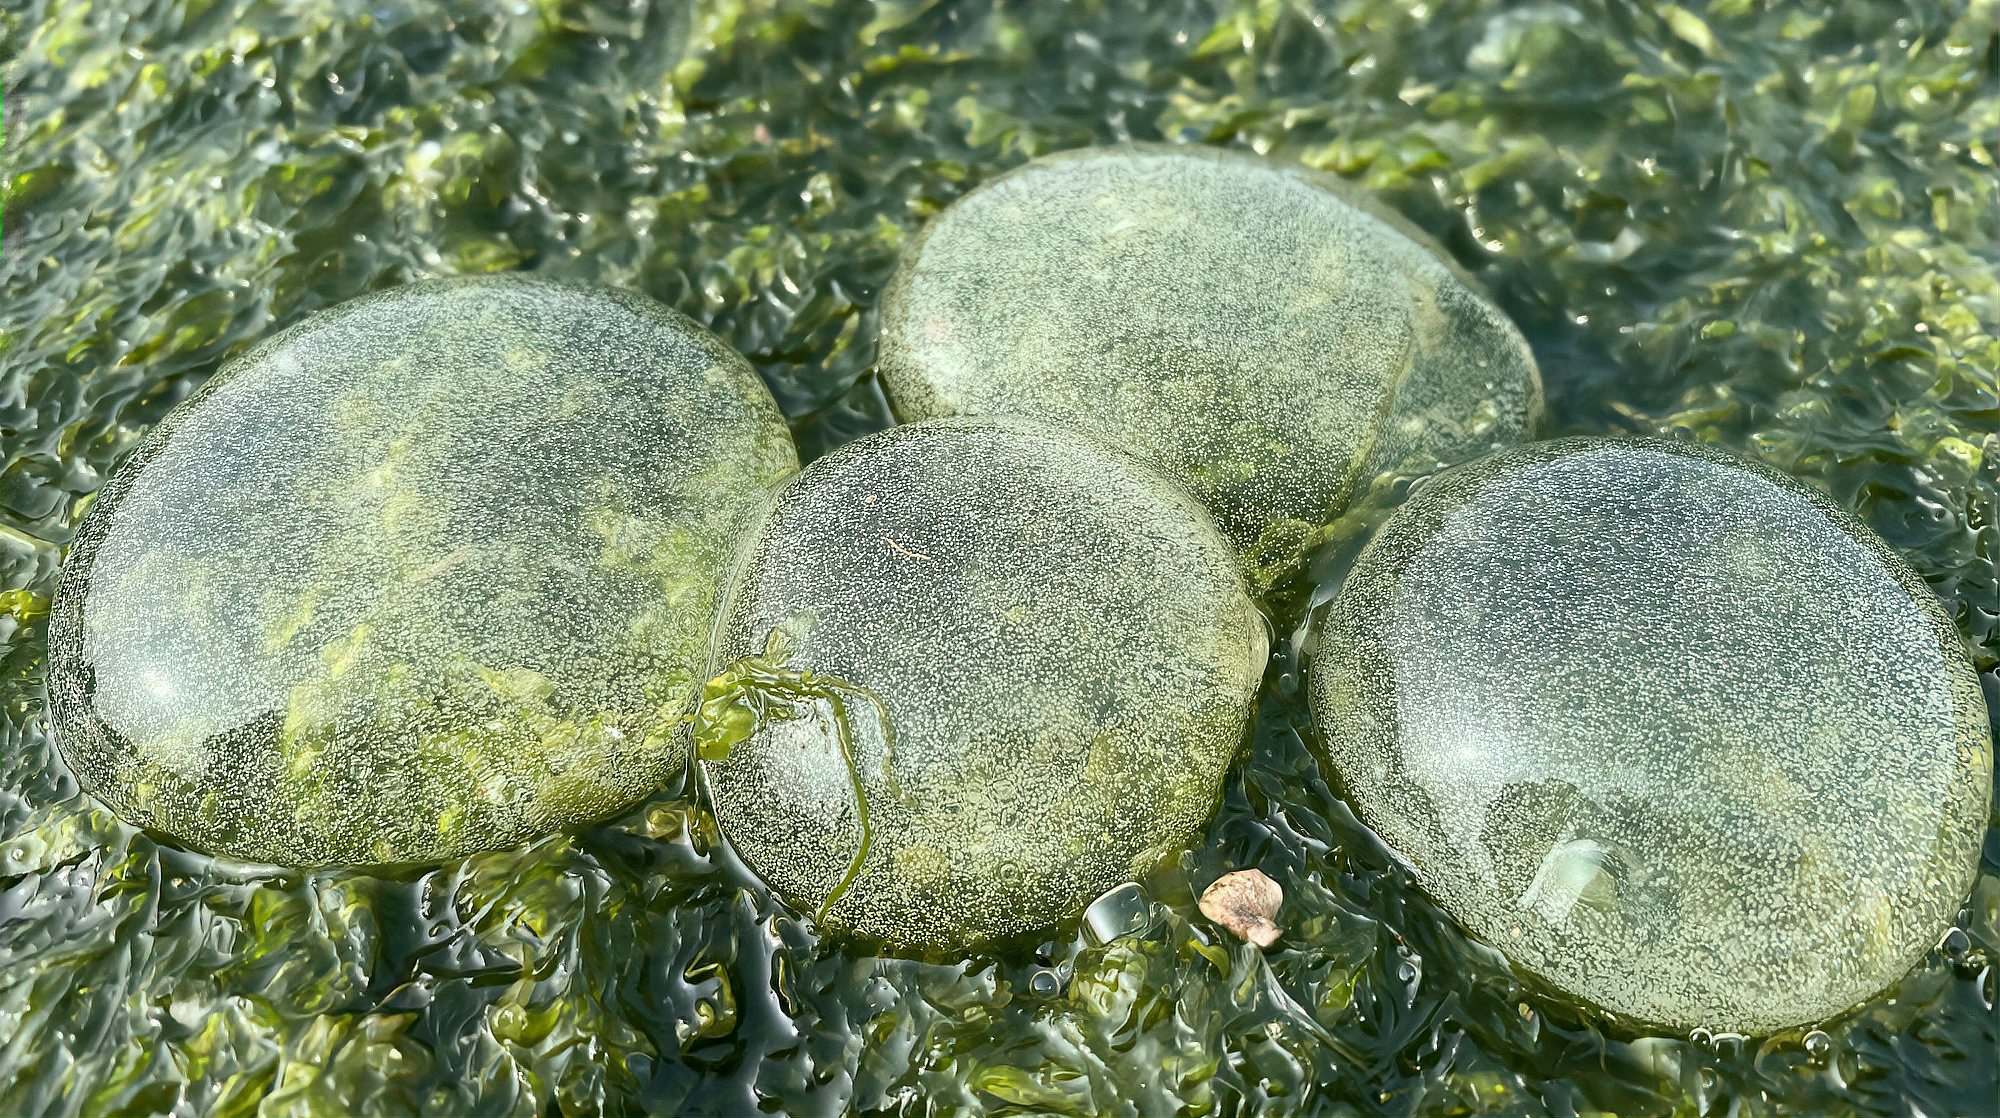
{"points": [[1000, 669], [1668, 728], [1264, 333], [427, 573]]}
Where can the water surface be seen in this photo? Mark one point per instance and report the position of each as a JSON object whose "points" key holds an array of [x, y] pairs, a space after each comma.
{"points": [[1761, 225]]}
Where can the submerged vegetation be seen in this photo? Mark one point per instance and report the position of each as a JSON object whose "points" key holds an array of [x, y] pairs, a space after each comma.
{"points": [[754, 691], [1761, 225]]}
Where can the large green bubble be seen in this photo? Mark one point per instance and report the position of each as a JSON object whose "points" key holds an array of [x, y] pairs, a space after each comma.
{"points": [[1668, 728], [971, 674], [1259, 331], [427, 573]]}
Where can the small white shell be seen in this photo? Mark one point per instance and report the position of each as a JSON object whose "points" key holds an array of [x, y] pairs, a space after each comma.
{"points": [[1245, 902]]}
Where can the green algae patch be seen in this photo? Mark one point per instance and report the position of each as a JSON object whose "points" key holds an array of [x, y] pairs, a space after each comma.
{"points": [[971, 674], [756, 689], [1824, 183], [428, 573], [1668, 728], [1261, 332]]}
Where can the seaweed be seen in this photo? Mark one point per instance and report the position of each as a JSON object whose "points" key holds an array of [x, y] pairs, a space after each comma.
{"points": [[1762, 225], [753, 689]]}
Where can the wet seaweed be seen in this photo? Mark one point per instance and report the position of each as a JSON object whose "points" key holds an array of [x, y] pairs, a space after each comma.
{"points": [[1761, 225]]}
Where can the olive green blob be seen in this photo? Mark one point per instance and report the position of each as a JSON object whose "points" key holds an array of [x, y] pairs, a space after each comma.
{"points": [[427, 573], [970, 674], [1670, 729], [1259, 331]]}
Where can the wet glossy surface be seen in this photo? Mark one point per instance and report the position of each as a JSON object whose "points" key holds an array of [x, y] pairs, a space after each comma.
{"points": [[1770, 226], [1251, 327], [431, 572], [1669, 730], [1001, 669]]}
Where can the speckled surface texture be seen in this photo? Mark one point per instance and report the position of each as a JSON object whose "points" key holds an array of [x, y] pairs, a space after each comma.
{"points": [[1666, 727], [1049, 662], [1254, 328], [430, 572], [1771, 227]]}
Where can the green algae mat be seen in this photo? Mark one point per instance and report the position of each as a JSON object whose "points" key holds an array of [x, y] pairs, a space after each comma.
{"points": [[1761, 225]]}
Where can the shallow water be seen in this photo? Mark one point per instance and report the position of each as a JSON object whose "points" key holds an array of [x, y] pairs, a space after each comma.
{"points": [[1754, 225]]}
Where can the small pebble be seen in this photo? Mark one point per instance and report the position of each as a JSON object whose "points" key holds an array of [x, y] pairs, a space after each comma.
{"points": [[1245, 901]]}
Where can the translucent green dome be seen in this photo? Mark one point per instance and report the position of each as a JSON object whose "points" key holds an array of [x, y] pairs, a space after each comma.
{"points": [[1259, 331], [1668, 728], [429, 572], [971, 674]]}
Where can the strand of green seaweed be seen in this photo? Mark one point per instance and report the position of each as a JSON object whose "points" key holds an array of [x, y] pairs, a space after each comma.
{"points": [[756, 689]]}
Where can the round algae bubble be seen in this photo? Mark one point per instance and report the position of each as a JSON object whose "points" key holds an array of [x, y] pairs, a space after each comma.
{"points": [[1668, 728], [972, 674], [429, 572], [1257, 330]]}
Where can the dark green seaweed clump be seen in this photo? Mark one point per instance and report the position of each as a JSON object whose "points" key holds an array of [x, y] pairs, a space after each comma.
{"points": [[1765, 226]]}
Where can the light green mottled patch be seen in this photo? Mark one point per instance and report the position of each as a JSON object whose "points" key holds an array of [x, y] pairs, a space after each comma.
{"points": [[430, 573]]}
